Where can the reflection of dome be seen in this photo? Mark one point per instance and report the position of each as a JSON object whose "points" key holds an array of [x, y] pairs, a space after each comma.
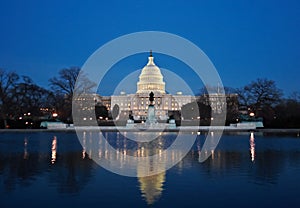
{"points": [[152, 187], [151, 78]]}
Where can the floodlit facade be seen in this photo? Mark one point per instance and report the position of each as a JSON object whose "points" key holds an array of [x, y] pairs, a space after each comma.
{"points": [[136, 105]]}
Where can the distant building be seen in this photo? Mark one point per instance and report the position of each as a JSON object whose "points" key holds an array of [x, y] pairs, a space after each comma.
{"points": [[218, 101]]}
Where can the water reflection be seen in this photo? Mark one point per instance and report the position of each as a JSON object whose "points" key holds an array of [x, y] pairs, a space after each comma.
{"points": [[208, 149], [118, 154], [25, 149], [53, 149], [220, 161], [83, 143], [252, 146], [151, 184], [22, 164], [152, 187], [25, 161]]}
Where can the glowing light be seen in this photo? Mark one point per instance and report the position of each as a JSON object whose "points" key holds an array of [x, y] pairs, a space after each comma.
{"points": [[252, 146], [84, 145], [53, 150], [54, 115], [251, 114]]}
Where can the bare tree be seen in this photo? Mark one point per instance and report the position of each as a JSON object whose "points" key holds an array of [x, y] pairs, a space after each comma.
{"points": [[65, 83], [29, 97], [242, 97], [8, 81], [63, 88], [260, 94], [295, 96], [71, 82]]}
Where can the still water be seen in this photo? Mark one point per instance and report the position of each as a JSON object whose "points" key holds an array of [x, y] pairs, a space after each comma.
{"points": [[50, 169]]}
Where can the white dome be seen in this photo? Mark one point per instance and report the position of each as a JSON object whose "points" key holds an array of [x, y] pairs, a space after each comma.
{"points": [[151, 79]]}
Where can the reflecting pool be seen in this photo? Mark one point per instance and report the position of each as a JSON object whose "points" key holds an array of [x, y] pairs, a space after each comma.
{"points": [[48, 169]]}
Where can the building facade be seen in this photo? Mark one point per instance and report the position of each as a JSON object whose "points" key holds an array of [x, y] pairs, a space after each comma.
{"points": [[136, 105]]}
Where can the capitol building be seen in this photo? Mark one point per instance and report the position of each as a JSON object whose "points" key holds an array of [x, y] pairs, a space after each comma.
{"points": [[136, 105]]}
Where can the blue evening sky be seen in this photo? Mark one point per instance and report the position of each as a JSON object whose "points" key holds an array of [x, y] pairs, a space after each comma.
{"points": [[245, 40]]}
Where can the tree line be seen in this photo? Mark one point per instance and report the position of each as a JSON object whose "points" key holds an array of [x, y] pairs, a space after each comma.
{"points": [[23, 102], [262, 98]]}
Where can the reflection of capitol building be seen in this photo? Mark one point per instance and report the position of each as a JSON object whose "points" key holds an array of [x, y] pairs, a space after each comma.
{"points": [[152, 186], [149, 171], [136, 105]]}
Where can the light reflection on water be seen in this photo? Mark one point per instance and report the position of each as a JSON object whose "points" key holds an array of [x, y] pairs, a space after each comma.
{"points": [[252, 146], [25, 148], [53, 149], [151, 186], [52, 164]]}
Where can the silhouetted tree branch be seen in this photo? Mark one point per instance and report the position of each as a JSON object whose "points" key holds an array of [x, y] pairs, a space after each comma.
{"points": [[8, 81], [65, 83], [71, 83], [260, 94]]}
